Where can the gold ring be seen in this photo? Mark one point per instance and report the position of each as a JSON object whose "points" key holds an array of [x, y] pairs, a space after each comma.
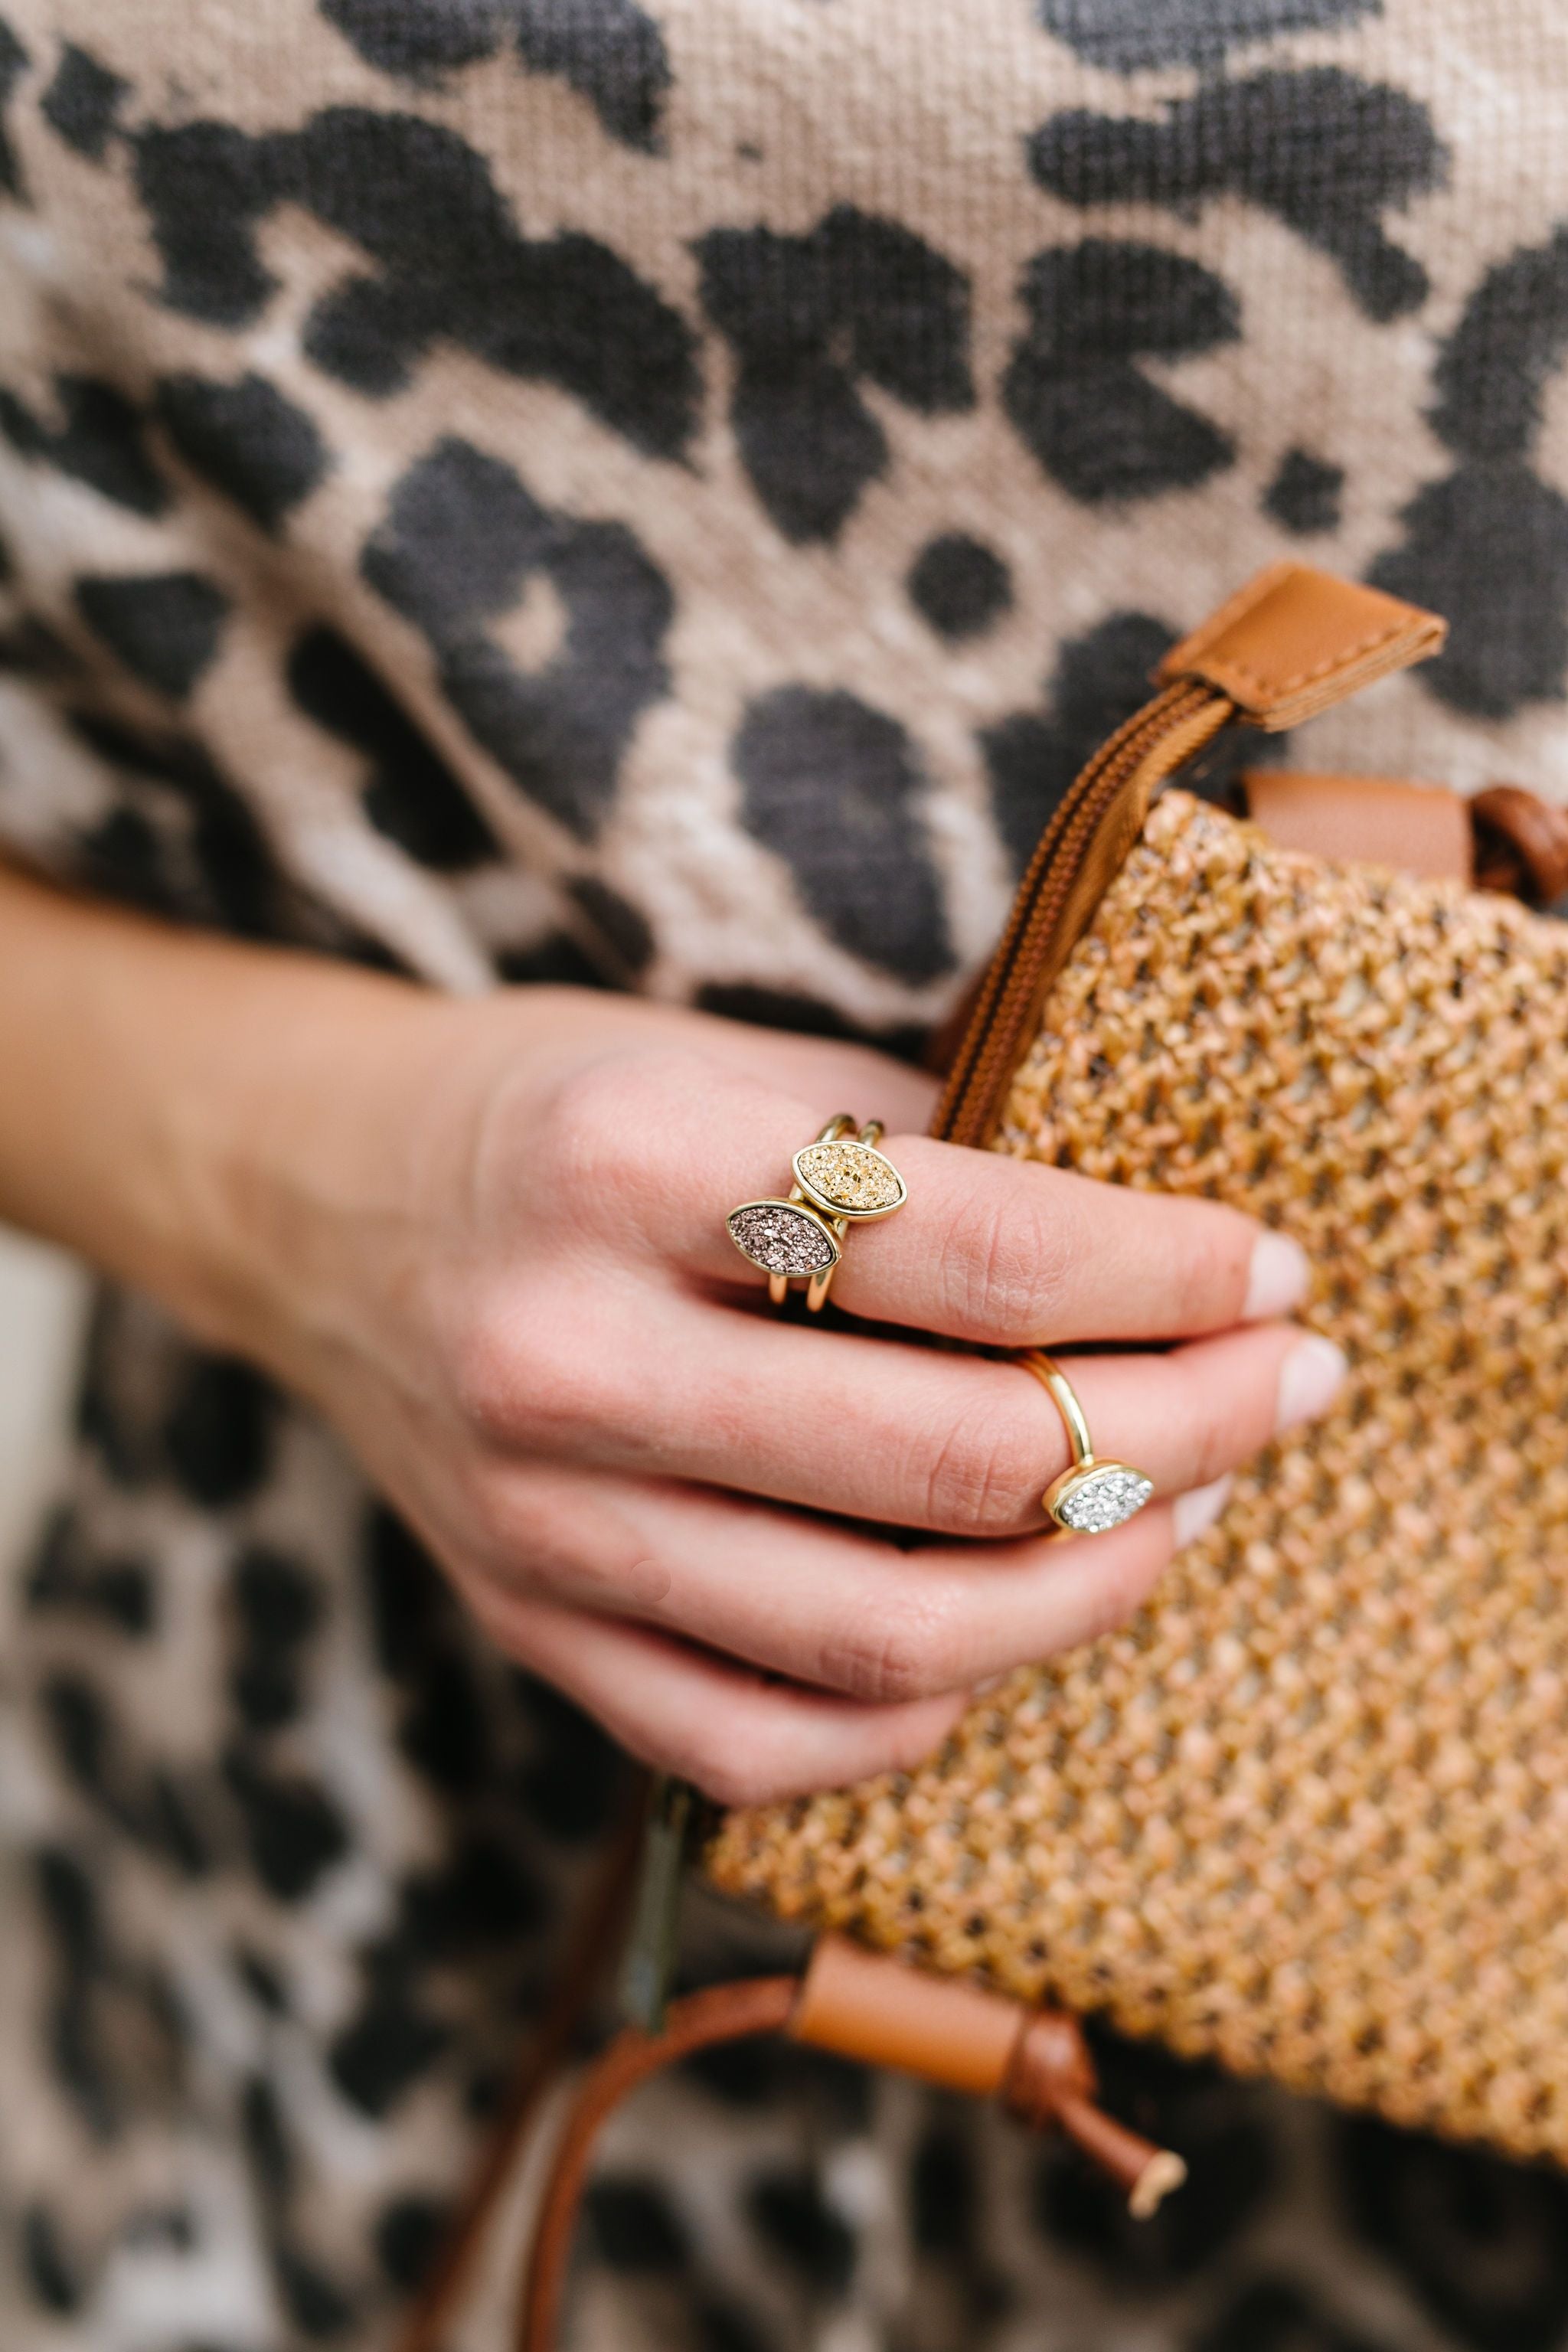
{"points": [[840, 1179], [1093, 1493]]}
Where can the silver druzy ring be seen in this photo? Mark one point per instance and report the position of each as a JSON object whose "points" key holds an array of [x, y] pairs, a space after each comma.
{"points": [[839, 1180], [1093, 1493]]}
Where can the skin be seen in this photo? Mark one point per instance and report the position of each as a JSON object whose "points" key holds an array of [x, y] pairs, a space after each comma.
{"points": [[485, 1239]]}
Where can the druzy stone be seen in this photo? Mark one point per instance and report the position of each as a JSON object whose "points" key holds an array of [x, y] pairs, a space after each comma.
{"points": [[1104, 1498], [854, 1179], [781, 1238]]}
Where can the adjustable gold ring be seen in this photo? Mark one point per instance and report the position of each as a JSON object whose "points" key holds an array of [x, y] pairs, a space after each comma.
{"points": [[839, 1180], [1093, 1493]]}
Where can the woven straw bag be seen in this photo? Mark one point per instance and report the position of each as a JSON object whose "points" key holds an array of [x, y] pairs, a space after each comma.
{"points": [[1307, 1814]]}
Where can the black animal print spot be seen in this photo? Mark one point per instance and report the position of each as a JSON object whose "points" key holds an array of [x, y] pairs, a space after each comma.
{"points": [[959, 584], [833, 787], [277, 1607], [1509, 642], [121, 1593], [262, 1981], [623, 927], [636, 2228], [1326, 154], [1276, 2315], [942, 2192], [781, 1008], [316, 2304], [53, 2279], [30, 648], [411, 795], [377, 2058], [1442, 2215], [83, 101], [410, 1603], [573, 1781], [407, 2238], [293, 1831], [99, 440], [1100, 680], [247, 439], [164, 625], [446, 1731], [462, 540], [1074, 389], [557, 961], [723, 2324], [795, 2220], [184, 845], [608, 50], [1305, 493], [14, 64], [81, 1968], [446, 263], [485, 1894], [420, 39], [220, 1432], [807, 316], [1128, 35]]}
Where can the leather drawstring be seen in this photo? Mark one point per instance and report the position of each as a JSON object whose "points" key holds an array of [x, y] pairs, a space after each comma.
{"points": [[1036, 2061]]}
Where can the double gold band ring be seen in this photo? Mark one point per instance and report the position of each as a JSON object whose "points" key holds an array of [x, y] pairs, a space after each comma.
{"points": [[1093, 1493], [840, 1179]]}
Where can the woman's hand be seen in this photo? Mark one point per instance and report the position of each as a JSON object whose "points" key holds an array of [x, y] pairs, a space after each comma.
{"points": [[510, 1284], [488, 1240]]}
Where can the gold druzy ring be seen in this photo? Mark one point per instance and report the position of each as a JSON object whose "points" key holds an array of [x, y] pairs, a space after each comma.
{"points": [[1093, 1493], [840, 1179]]}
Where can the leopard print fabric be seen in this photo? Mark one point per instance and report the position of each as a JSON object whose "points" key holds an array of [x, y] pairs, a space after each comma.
{"points": [[664, 494]]}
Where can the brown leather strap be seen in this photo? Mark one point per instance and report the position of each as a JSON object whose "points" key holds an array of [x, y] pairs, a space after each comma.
{"points": [[1364, 820], [1295, 640], [723, 2014]]}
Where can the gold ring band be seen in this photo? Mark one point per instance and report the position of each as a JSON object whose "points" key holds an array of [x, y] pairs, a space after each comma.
{"points": [[840, 1179], [1094, 1493]]}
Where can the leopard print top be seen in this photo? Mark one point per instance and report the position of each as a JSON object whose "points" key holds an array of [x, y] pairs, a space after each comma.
{"points": [[663, 493]]}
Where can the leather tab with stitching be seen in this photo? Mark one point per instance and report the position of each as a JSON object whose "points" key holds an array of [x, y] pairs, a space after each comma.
{"points": [[1295, 640]]}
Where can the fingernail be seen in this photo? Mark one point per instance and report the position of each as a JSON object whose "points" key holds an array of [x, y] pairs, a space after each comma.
{"points": [[1310, 1381], [1279, 1279], [992, 1682], [1199, 1508]]}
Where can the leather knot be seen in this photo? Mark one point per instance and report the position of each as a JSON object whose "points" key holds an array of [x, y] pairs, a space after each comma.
{"points": [[1521, 844]]}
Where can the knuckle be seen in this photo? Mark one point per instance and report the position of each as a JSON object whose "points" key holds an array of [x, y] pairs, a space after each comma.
{"points": [[1009, 1259], [891, 1661], [983, 1473], [1204, 1274], [526, 1370]]}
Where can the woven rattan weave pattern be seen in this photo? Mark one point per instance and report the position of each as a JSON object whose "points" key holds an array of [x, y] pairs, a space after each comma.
{"points": [[1309, 1812]]}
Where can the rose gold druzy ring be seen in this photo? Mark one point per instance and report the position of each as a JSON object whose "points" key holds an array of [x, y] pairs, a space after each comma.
{"points": [[839, 1180]]}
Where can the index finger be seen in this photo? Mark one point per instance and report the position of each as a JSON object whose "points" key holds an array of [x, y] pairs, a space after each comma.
{"points": [[1002, 1252]]}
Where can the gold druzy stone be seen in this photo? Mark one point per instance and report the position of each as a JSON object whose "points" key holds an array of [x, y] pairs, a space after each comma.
{"points": [[850, 1178]]}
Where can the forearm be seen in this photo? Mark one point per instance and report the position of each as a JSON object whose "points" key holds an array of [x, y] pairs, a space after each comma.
{"points": [[153, 1086]]}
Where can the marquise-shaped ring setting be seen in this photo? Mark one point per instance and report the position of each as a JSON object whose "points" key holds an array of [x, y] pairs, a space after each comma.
{"points": [[845, 1178], [786, 1239]]}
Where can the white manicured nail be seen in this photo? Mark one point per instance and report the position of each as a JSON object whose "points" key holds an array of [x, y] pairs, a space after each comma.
{"points": [[1199, 1507], [1279, 1279], [1310, 1381]]}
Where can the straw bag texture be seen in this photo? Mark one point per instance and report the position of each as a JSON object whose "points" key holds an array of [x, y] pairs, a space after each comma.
{"points": [[1309, 1812]]}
